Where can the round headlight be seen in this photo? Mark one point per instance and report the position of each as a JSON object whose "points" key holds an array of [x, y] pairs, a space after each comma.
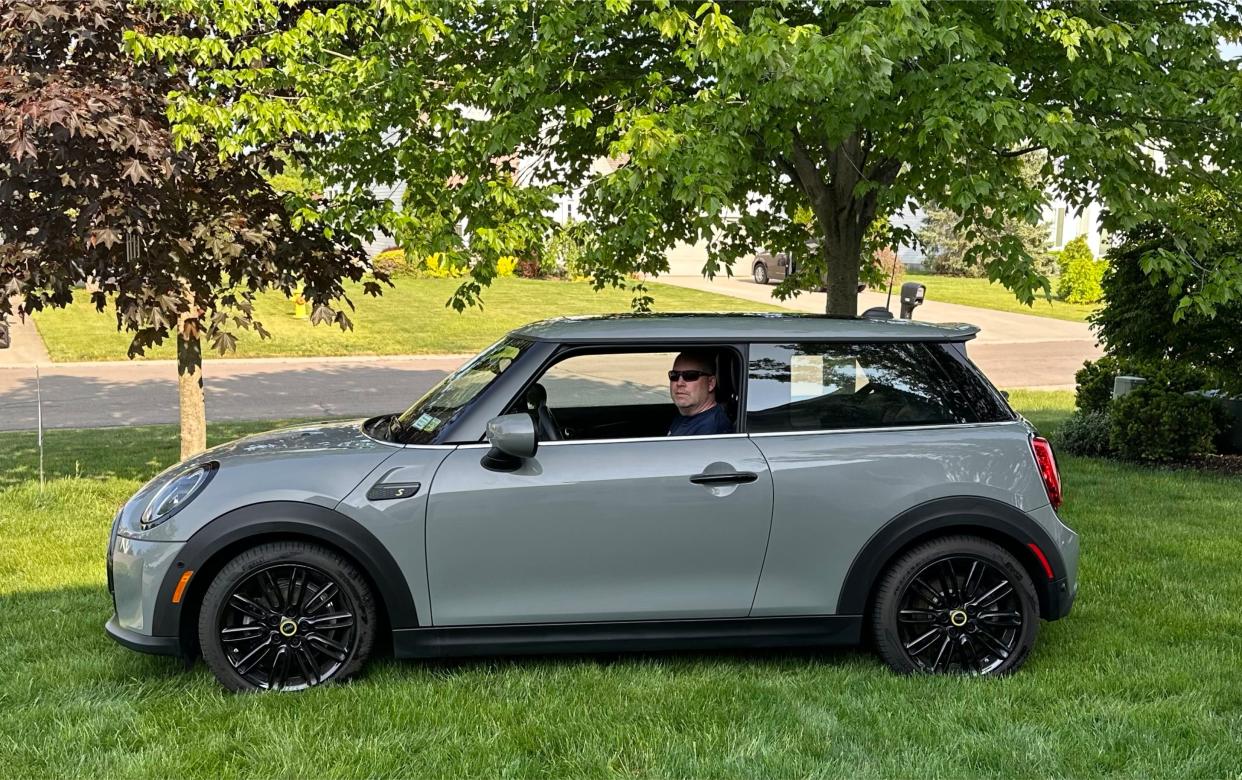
{"points": [[178, 492]]}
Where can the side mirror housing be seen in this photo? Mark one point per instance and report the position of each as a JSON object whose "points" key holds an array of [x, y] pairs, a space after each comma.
{"points": [[513, 440]]}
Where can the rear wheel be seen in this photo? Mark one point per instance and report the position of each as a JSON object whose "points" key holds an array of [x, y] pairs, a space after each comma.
{"points": [[286, 616], [959, 604], [760, 273]]}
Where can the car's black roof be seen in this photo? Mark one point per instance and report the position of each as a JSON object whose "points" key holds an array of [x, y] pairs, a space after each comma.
{"points": [[739, 327]]}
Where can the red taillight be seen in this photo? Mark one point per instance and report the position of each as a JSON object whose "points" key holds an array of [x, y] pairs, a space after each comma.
{"points": [[1047, 469]]}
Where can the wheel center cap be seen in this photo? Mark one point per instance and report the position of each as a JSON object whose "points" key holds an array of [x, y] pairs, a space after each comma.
{"points": [[288, 627], [957, 617]]}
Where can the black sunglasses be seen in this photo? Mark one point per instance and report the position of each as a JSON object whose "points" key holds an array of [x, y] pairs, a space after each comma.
{"points": [[690, 376]]}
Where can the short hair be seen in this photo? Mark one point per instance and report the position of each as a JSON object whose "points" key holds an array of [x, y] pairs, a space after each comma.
{"points": [[699, 357]]}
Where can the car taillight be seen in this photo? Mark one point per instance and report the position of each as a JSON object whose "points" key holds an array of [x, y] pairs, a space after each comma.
{"points": [[1047, 469]]}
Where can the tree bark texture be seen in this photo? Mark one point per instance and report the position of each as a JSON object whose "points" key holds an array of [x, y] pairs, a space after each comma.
{"points": [[190, 394], [842, 213]]}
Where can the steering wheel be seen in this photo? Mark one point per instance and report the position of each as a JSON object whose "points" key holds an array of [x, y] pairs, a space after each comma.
{"points": [[537, 405]]}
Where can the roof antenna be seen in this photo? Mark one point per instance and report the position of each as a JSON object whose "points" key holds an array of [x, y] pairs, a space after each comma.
{"points": [[889, 300]]}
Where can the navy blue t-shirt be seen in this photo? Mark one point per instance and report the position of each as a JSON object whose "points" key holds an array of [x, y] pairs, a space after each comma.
{"points": [[714, 420]]}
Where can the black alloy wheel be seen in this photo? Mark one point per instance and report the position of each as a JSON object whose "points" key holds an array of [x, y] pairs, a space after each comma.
{"points": [[760, 273], [286, 616], [956, 605]]}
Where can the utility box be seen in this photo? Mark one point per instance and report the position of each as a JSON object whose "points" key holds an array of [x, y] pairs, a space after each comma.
{"points": [[1124, 384]]}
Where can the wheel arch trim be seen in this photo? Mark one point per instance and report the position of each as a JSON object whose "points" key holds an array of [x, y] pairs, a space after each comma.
{"points": [[270, 521], [1010, 527]]}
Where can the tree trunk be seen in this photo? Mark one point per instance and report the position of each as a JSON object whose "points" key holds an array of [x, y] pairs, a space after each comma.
{"points": [[842, 259], [190, 392]]}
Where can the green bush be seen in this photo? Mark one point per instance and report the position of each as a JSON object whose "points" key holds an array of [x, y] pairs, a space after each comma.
{"points": [[1140, 317], [1094, 384], [391, 261], [1081, 273], [1084, 433], [1156, 423]]}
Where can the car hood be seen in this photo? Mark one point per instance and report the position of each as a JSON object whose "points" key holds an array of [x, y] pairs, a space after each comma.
{"points": [[316, 464], [299, 440]]}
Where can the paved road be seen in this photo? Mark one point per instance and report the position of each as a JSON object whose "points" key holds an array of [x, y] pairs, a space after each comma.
{"points": [[77, 395], [1014, 350]]}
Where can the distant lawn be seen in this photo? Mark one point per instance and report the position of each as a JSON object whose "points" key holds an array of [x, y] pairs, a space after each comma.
{"points": [[409, 319], [986, 295], [1143, 679]]}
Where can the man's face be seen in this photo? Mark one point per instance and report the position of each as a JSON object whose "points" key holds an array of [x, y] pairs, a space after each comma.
{"points": [[690, 396]]}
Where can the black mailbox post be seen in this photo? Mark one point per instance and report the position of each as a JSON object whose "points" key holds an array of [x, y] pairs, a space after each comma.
{"points": [[911, 297]]}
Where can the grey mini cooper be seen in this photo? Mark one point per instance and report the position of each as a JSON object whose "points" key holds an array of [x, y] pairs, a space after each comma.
{"points": [[864, 483]]}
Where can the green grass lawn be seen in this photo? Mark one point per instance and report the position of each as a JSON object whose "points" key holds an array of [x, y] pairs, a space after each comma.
{"points": [[987, 295], [1143, 679], [408, 319]]}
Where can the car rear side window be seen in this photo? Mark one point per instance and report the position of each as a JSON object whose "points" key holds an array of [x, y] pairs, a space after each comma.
{"points": [[833, 386]]}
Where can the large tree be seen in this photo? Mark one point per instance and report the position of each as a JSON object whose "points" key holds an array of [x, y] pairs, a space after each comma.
{"points": [[177, 241], [725, 121]]}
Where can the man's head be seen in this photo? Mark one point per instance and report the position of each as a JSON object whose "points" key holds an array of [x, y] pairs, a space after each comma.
{"points": [[692, 382]]}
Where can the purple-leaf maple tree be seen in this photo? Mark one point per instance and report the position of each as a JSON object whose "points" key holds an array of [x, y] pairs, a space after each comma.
{"points": [[94, 193]]}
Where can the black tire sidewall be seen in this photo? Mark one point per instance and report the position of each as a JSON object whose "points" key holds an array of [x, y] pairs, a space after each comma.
{"points": [[759, 273], [899, 575], [343, 573]]}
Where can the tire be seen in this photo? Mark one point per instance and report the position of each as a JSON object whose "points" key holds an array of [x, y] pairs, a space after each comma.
{"points": [[956, 604], [287, 616], [760, 273]]}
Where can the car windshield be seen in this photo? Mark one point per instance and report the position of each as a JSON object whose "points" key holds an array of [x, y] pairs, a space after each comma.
{"points": [[421, 422]]}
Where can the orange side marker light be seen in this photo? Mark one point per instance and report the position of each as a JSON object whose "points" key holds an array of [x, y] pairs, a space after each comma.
{"points": [[180, 591]]}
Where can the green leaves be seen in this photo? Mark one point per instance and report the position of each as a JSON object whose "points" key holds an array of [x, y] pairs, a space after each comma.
{"points": [[715, 121]]}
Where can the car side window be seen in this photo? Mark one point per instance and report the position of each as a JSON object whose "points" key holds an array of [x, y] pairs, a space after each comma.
{"points": [[832, 386], [608, 380], [617, 395]]}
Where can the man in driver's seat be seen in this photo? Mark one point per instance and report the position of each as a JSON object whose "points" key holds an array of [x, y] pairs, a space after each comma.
{"points": [[692, 384]]}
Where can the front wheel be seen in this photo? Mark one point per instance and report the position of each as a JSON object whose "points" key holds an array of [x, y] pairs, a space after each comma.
{"points": [[286, 616], [760, 272], [957, 604]]}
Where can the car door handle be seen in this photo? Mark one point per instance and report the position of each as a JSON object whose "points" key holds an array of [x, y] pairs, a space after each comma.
{"points": [[728, 477]]}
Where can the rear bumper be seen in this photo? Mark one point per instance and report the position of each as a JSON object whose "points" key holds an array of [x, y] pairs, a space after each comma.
{"points": [[155, 645], [1060, 594]]}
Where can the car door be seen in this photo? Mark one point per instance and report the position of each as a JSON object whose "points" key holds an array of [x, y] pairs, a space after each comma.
{"points": [[649, 528]]}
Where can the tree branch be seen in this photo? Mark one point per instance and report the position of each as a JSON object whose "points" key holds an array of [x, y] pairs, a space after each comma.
{"points": [[1019, 152], [808, 174]]}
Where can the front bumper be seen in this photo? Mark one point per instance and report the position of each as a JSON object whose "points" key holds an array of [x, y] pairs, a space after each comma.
{"points": [[155, 645]]}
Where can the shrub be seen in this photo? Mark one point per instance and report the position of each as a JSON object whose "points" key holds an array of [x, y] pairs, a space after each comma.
{"points": [[1156, 423], [391, 261], [1140, 317], [886, 266], [1084, 433], [1081, 273], [436, 266], [506, 265], [1094, 384]]}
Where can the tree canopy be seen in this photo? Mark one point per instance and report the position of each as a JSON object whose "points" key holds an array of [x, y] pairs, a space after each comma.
{"points": [[177, 241], [724, 122]]}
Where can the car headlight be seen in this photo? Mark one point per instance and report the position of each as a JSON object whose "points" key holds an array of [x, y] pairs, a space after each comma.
{"points": [[178, 492]]}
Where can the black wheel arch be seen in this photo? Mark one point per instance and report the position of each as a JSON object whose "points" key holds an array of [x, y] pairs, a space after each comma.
{"points": [[220, 540], [994, 520]]}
